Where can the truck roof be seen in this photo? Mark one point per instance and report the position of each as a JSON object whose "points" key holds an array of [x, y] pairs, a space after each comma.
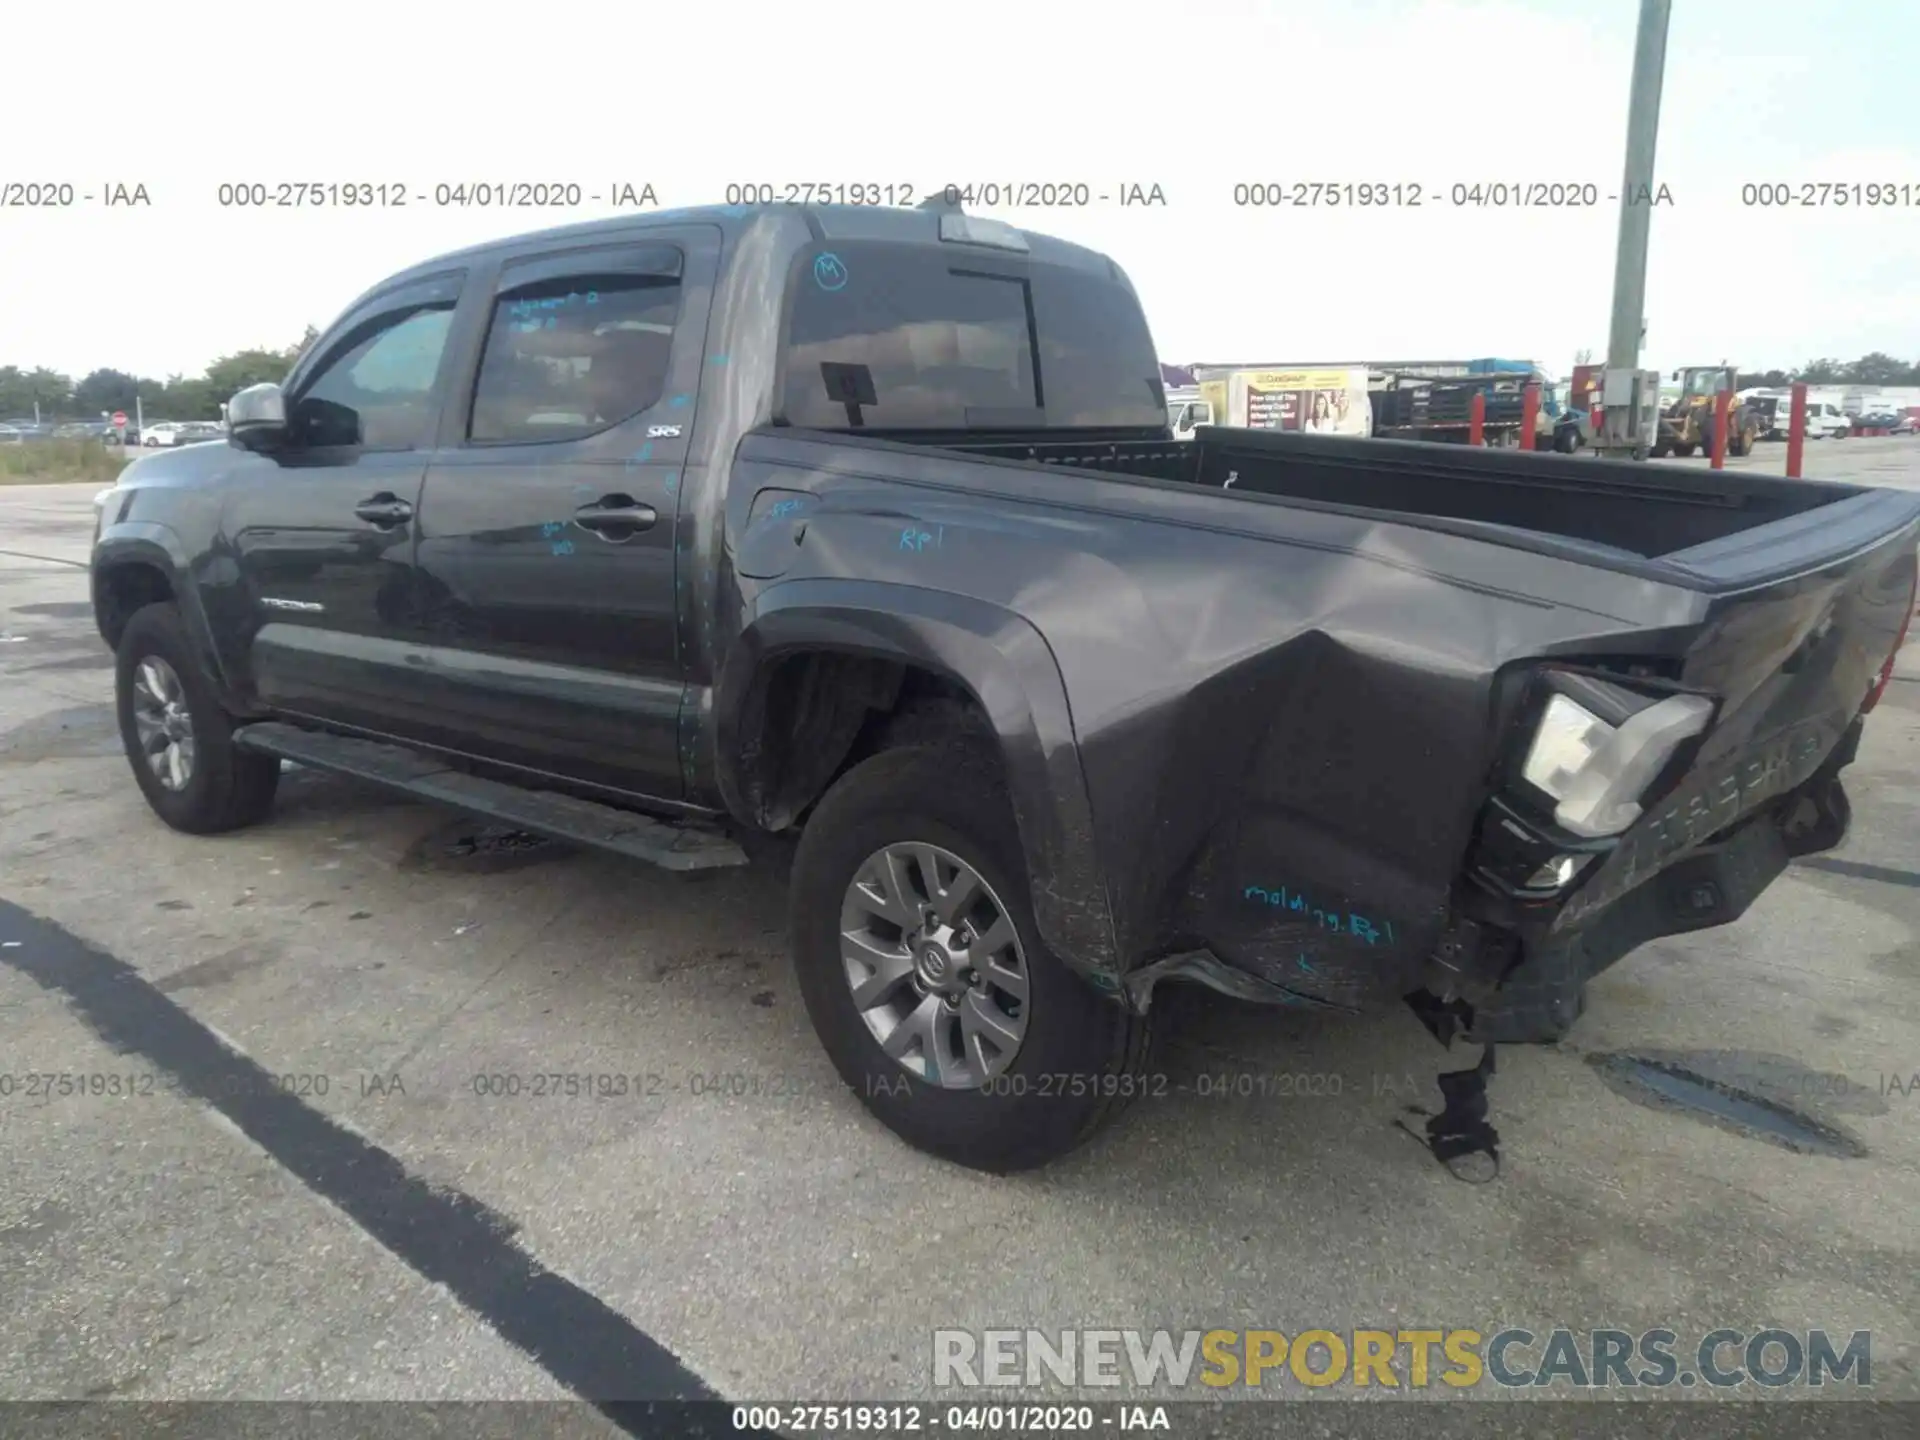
{"points": [[828, 222]]}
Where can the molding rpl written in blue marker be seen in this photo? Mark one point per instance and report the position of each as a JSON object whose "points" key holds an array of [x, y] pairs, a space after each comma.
{"points": [[1365, 928]]}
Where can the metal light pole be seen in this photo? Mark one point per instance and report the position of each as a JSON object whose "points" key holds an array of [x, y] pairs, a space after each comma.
{"points": [[1628, 326]]}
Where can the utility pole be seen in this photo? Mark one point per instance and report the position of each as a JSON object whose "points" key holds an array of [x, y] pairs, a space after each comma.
{"points": [[1628, 326]]}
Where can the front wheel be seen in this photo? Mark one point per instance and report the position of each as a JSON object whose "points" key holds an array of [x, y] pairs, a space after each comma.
{"points": [[178, 738], [924, 974]]}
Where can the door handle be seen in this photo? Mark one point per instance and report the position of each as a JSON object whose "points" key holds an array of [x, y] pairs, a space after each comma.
{"points": [[616, 518], [384, 510]]}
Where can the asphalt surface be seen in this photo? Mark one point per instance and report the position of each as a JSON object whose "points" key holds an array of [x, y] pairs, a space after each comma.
{"points": [[369, 1225]]}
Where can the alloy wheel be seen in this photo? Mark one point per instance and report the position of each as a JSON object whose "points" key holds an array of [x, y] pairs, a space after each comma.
{"points": [[162, 723], [935, 965]]}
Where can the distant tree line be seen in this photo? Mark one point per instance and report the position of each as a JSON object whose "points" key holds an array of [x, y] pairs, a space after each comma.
{"points": [[178, 397], [1874, 369]]}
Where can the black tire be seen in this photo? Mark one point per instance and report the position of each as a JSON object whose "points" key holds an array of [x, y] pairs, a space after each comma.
{"points": [[1082, 1056], [228, 788], [1684, 451]]}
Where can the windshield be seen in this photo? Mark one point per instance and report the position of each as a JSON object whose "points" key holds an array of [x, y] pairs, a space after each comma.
{"points": [[1704, 382]]}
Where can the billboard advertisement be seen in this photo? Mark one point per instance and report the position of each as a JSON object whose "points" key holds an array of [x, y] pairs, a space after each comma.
{"points": [[1315, 402]]}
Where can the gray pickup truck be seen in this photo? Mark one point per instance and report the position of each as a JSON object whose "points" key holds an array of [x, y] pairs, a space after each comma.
{"points": [[866, 525]]}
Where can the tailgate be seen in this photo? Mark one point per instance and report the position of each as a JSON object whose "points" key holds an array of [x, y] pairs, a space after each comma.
{"points": [[1800, 635]]}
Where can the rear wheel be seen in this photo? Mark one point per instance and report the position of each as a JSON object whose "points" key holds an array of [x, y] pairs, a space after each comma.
{"points": [[178, 738], [925, 976]]}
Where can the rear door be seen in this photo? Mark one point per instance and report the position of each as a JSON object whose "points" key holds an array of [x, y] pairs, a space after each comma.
{"points": [[546, 551], [322, 532]]}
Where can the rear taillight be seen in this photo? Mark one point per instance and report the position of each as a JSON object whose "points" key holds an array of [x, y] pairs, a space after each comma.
{"points": [[1885, 677]]}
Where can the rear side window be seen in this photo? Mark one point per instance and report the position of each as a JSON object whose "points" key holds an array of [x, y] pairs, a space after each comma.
{"points": [[916, 337], [572, 355]]}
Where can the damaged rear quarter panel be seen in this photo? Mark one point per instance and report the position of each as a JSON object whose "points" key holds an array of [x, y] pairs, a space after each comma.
{"points": [[1283, 717]]}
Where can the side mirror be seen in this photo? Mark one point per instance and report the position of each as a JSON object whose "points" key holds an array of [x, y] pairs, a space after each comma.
{"points": [[257, 417]]}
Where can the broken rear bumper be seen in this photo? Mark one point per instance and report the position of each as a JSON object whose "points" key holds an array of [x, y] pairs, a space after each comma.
{"points": [[1538, 999]]}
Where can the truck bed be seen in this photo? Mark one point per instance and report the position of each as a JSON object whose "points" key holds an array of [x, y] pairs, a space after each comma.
{"points": [[1615, 511]]}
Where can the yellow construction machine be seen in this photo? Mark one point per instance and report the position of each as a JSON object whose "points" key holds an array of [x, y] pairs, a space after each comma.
{"points": [[1687, 424]]}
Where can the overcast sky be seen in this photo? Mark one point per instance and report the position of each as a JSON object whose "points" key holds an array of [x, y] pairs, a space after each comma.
{"points": [[1195, 98]]}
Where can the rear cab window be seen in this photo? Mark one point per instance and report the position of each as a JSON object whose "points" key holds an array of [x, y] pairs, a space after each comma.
{"points": [[916, 337]]}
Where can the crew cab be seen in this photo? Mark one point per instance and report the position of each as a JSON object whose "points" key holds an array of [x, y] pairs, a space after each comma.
{"points": [[866, 526]]}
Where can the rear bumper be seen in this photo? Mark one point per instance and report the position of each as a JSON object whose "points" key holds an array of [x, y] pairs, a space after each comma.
{"points": [[1544, 995], [1538, 999]]}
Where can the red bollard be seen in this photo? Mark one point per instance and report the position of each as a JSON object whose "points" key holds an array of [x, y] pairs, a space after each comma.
{"points": [[1529, 416], [1476, 417], [1797, 432], [1722, 415]]}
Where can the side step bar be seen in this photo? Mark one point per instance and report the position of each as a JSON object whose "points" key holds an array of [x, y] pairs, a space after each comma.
{"points": [[558, 817]]}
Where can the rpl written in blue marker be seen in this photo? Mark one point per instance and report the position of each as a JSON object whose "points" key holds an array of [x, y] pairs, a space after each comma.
{"points": [[923, 540]]}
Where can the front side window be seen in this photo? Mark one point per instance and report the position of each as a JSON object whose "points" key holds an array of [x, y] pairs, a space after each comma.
{"points": [[571, 356], [378, 389], [917, 337]]}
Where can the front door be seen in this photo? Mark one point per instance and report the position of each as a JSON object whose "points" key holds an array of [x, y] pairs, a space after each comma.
{"points": [[323, 538], [546, 553]]}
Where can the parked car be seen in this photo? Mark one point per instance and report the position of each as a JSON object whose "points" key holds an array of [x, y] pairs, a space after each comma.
{"points": [[1889, 420], [1058, 709], [197, 432], [1825, 420], [164, 432], [11, 435]]}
